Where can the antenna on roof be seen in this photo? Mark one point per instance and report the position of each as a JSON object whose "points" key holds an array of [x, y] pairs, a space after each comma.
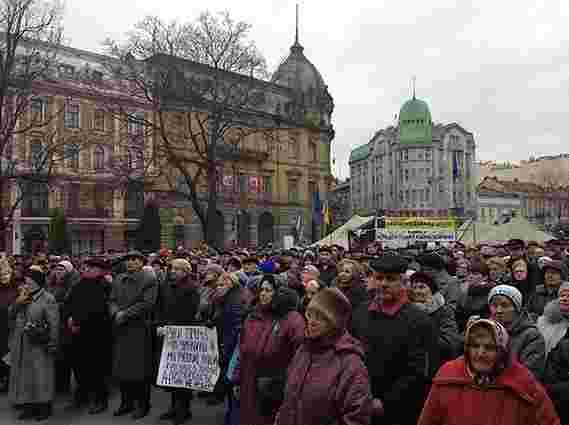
{"points": [[296, 33], [414, 83]]}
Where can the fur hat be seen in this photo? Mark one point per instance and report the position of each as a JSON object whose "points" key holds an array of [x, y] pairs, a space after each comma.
{"points": [[333, 305], [513, 294], [425, 278], [389, 264]]}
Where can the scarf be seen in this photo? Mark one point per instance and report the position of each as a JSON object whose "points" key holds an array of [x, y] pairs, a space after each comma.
{"points": [[390, 308], [436, 302], [553, 325]]}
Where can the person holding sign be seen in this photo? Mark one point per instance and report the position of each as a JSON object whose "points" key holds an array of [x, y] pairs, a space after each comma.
{"points": [[178, 306], [269, 338]]}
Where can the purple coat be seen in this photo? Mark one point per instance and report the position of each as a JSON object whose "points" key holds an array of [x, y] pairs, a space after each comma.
{"points": [[265, 350], [327, 383]]}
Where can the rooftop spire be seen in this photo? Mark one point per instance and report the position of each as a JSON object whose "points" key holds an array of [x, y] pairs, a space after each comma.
{"points": [[296, 33], [414, 82]]}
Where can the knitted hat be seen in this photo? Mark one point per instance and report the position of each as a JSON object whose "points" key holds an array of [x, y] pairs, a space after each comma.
{"points": [[427, 279], [66, 265], [513, 294], [333, 305]]}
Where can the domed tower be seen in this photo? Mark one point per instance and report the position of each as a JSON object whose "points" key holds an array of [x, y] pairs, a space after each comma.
{"points": [[311, 101], [415, 123]]}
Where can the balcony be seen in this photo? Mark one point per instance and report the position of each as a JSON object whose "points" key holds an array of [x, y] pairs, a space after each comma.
{"points": [[97, 212], [235, 153]]}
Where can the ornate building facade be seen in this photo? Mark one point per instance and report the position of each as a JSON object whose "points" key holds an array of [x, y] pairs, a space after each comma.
{"points": [[264, 188], [415, 168]]}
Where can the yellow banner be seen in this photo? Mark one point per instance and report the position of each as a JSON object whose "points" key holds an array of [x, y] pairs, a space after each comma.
{"points": [[418, 223]]}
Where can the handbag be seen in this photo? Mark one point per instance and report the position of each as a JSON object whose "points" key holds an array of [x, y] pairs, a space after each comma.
{"points": [[269, 390]]}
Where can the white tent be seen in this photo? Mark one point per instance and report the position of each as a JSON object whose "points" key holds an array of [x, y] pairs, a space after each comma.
{"points": [[517, 228], [340, 235]]}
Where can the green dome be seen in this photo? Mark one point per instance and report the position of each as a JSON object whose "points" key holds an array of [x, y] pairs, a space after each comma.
{"points": [[415, 123]]}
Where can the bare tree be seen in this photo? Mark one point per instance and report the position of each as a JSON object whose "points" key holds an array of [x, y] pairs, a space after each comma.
{"points": [[31, 33], [201, 85]]}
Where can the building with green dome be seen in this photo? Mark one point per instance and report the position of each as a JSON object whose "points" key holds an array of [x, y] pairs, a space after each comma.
{"points": [[416, 167]]}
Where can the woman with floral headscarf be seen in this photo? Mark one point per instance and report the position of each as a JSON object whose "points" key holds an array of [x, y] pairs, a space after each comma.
{"points": [[486, 386]]}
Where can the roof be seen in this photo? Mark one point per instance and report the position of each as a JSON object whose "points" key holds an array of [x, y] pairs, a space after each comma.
{"points": [[359, 153], [415, 123], [298, 73]]}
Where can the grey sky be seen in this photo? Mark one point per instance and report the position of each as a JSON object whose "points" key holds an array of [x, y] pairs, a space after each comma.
{"points": [[499, 68]]}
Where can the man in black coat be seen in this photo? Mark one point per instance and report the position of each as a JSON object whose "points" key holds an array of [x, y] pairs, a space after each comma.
{"points": [[399, 339], [88, 322]]}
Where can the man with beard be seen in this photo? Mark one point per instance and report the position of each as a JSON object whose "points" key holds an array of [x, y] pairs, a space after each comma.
{"points": [[350, 282], [132, 301], [326, 265], [88, 322], [400, 341]]}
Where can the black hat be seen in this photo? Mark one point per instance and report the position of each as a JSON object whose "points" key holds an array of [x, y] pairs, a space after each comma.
{"points": [[432, 260], [324, 249], [515, 243], [389, 264], [36, 275], [133, 254], [98, 262], [425, 278]]}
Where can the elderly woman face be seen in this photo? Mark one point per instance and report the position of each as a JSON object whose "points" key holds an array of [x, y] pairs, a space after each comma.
{"points": [[481, 350], [266, 294], [552, 278], [420, 292], [495, 270]]}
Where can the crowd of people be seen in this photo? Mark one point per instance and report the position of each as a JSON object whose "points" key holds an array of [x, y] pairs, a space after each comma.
{"points": [[428, 335]]}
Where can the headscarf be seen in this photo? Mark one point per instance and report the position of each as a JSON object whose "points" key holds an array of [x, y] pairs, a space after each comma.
{"points": [[503, 359]]}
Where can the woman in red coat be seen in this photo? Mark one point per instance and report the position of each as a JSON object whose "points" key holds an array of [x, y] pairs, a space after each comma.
{"points": [[486, 386], [327, 381], [269, 338]]}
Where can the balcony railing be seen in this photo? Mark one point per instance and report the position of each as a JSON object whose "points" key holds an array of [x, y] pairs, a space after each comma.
{"points": [[230, 152], [97, 212]]}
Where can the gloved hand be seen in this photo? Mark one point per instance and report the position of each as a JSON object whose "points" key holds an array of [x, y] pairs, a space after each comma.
{"points": [[119, 317]]}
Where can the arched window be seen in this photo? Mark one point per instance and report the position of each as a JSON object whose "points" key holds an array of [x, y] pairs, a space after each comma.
{"points": [[99, 157]]}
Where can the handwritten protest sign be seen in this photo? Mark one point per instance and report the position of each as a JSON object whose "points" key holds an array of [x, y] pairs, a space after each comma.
{"points": [[190, 358]]}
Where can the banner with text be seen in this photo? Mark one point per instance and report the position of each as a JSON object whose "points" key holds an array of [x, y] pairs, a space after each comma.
{"points": [[416, 229], [190, 358]]}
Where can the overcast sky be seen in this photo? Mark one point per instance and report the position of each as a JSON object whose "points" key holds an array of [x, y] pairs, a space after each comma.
{"points": [[498, 68]]}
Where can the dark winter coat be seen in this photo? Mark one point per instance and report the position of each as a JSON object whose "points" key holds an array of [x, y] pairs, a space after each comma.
{"points": [[327, 383], [177, 306], [268, 343], [540, 299], [449, 340], [449, 287], [399, 358], [87, 305], [527, 344], [328, 274], [227, 320], [7, 296], [556, 376], [135, 295], [32, 371], [517, 398]]}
